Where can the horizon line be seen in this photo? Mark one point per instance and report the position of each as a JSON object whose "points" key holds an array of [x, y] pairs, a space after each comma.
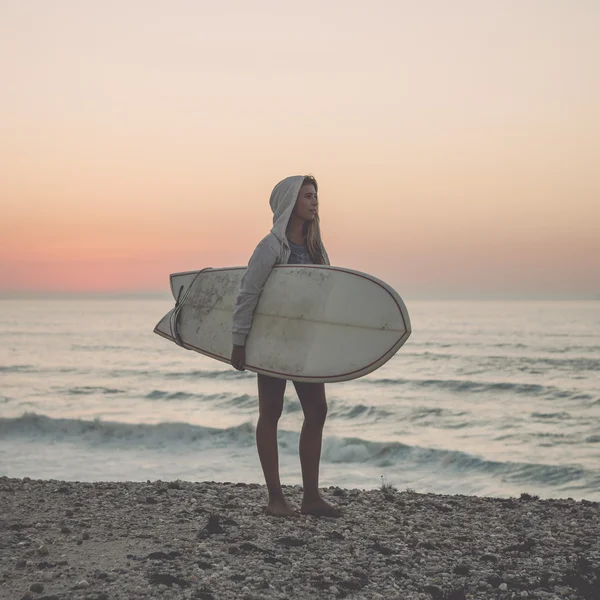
{"points": [[166, 294]]}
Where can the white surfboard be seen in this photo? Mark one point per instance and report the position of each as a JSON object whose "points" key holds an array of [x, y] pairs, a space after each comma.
{"points": [[312, 323]]}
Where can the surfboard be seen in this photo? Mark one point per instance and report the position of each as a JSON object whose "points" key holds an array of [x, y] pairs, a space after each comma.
{"points": [[312, 323]]}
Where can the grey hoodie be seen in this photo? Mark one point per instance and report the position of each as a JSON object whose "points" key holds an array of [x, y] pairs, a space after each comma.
{"points": [[272, 250]]}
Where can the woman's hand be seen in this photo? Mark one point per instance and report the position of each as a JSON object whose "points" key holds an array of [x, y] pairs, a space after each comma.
{"points": [[238, 358]]}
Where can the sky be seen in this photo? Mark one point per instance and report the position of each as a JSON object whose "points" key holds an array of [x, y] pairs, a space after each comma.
{"points": [[456, 144]]}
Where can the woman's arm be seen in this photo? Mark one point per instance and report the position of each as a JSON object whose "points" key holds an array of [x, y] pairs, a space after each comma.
{"points": [[259, 268]]}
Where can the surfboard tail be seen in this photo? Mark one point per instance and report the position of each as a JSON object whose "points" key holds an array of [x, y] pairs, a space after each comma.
{"points": [[181, 282]]}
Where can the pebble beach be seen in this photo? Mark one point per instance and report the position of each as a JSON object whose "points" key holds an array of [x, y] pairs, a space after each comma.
{"points": [[212, 541]]}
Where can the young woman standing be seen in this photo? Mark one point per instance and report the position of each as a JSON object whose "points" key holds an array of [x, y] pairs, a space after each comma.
{"points": [[295, 238]]}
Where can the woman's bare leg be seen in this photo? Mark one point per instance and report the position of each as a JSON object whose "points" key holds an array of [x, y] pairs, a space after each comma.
{"points": [[314, 404], [270, 401]]}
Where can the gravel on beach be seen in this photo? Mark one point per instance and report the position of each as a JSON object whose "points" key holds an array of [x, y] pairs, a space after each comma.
{"points": [[130, 540]]}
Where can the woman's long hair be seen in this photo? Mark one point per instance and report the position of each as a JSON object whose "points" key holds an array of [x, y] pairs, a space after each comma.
{"points": [[312, 230]]}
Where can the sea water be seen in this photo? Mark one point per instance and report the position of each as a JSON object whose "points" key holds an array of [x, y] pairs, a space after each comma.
{"points": [[486, 398]]}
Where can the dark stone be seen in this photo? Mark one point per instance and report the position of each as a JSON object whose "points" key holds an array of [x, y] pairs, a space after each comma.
{"points": [[204, 565], [584, 578], [320, 583], [164, 555], [167, 579], [455, 594], [86, 536], [489, 557], [151, 500], [381, 549], [69, 513], [524, 546], [525, 497], [399, 574], [353, 584], [273, 560], [339, 492], [462, 569], [435, 590], [37, 587], [291, 541], [494, 580], [335, 535], [65, 530], [250, 547], [174, 485], [213, 525], [202, 595], [21, 563]]}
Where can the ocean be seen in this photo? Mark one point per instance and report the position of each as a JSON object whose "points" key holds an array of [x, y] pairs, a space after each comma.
{"points": [[485, 398]]}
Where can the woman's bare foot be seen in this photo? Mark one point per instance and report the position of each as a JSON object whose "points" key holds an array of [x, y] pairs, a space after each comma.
{"points": [[320, 508], [280, 508]]}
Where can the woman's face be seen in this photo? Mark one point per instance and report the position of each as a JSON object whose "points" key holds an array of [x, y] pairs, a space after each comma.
{"points": [[307, 203]]}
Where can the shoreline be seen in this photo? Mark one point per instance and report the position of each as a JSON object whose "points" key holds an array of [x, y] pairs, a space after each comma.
{"points": [[113, 540]]}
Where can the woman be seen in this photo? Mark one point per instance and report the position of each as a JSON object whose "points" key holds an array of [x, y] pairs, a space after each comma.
{"points": [[294, 239]]}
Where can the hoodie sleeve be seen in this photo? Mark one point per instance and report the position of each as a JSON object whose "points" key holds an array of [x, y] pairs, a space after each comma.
{"points": [[259, 268]]}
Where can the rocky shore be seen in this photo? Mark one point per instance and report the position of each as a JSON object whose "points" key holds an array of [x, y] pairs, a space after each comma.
{"points": [[109, 541]]}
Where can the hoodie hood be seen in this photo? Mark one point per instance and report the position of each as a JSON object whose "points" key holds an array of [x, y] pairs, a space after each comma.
{"points": [[283, 200]]}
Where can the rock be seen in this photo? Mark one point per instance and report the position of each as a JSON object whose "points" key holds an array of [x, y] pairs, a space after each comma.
{"points": [[21, 563], [38, 588], [503, 587], [434, 590], [43, 551], [290, 541], [462, 569], [488, 556], [213, 525], [82, 585]]}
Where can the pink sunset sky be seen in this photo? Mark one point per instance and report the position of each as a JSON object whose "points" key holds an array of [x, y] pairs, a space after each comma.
{"points": [[456, 144]]}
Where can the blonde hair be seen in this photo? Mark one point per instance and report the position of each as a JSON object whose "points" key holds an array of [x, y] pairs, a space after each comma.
{"points": [[312, 230]]}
